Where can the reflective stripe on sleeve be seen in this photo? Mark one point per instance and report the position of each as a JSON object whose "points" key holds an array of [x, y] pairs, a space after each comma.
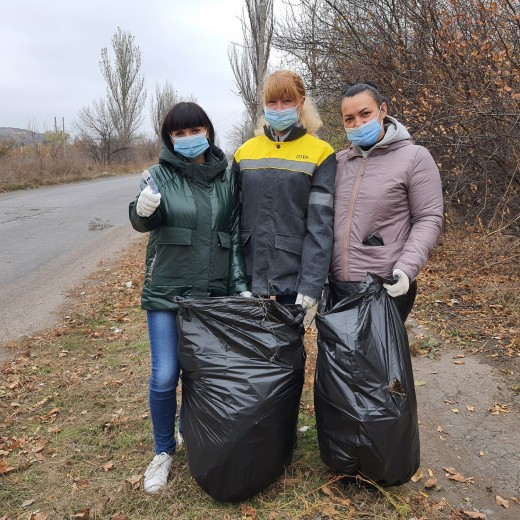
{"points": [[322, 199]]}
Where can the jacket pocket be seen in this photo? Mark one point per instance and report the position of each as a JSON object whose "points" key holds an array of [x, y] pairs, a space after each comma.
{"points": [[174, 258], [219, 267], [287, 258], [379, 260]]}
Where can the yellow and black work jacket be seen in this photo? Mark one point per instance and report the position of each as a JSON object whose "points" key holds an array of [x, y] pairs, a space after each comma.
{"points": [[286, 190]]}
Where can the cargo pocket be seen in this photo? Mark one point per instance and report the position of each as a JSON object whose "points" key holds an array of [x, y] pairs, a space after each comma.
{"points": [[219, 268], [173, 262], [287, 258]]}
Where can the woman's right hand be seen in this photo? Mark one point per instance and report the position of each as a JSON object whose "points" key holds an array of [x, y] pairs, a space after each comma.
{"points": [[147, 202]]}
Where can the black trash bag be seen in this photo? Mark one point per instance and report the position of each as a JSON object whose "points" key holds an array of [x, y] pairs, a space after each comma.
{"points": [[364, 395], [242, 362]]}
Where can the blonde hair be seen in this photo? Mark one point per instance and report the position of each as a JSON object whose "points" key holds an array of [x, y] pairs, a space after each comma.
{"points": [[285, 84]]}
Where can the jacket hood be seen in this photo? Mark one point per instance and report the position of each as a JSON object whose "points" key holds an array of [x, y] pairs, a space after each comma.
{"points": [[395, 132], [215, 164]]}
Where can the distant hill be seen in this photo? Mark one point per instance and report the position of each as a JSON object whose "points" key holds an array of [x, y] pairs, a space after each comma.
{"points": [[20, 136]]}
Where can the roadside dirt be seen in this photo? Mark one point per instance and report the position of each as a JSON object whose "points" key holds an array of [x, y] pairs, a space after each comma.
{"points": [[469, 418]]}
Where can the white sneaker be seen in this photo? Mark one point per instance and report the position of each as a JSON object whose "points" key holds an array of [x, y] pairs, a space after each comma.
{"points": [[156, 475]]}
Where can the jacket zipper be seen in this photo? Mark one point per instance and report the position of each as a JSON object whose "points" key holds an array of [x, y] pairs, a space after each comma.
{"points": [[152, 266], [350, 216]]}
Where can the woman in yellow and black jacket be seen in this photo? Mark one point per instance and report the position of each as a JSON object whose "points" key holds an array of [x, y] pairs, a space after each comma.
{"points": [[286, 183]]}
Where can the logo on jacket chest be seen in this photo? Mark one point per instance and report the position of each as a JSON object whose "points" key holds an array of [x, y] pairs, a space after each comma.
{"points": [[301, 156]]}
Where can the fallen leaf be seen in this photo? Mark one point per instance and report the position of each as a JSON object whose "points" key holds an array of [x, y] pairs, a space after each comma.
{"points": [[470, 408], [118, 516], [249, 512], [430, 483], [455, 410], [453, 474], [38, 515], [439, 429], [457, 477], [420, 383], [459, 362], [418, 475], [482, 453], [4, 468], [327, 491], [502, 501], [458, 356], [515, 500], [134, 482], [475, 514], [108, 466], [28, 503], [497, 409]]}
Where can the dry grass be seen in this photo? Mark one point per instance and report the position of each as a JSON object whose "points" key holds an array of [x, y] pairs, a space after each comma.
{"points": [[75, 432], [468, 293], [31, 168]]}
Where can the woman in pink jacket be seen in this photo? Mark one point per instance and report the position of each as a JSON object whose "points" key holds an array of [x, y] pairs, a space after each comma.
{"points": [[388, 207]]}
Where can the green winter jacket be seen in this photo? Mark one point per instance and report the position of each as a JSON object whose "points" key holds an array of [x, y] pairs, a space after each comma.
{"points": [[194, 246]]}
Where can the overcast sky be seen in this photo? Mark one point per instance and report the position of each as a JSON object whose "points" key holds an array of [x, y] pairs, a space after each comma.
{"points": [[50, 53]]}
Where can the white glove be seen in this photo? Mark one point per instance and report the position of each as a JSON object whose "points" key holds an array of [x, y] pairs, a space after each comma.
{"points": [[147, 202], [400, 287], [246, 294], [305, 301]]}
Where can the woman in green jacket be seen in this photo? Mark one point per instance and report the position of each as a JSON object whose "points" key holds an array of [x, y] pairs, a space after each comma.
{"points": [[193, 251]]}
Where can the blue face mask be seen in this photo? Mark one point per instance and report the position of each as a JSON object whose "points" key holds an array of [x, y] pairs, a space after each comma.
{"points": [[191, 146], [281, 120], [367, 134]]}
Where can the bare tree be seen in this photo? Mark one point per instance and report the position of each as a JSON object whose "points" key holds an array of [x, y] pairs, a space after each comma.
{"points": [[165, 98], [97, 132], [249, 60], [126, 94], [240, 132], [450, 70]]}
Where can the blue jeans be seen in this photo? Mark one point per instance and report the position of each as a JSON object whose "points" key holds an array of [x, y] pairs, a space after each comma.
{"points": [[164, 377]]}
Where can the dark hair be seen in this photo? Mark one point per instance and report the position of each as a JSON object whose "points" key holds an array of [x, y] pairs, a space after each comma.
{"points": [[186, 114], [365, 86]]}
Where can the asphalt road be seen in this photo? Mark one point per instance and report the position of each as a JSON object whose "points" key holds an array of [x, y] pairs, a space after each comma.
{"points": [[51, 239]]}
